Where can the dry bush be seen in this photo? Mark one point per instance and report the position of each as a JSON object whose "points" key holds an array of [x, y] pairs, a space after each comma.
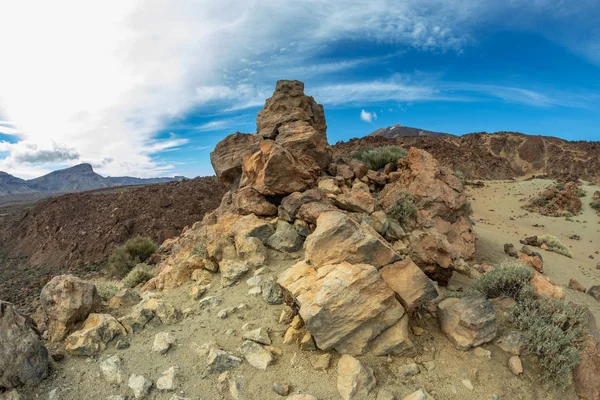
{"points": [[106, 291], [377, 157], [127, 256], [404, 210], [555, 245], [141, 273]]}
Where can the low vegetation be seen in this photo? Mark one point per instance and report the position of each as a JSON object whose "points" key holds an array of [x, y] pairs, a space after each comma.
{"points": [[595, 204], [107, 290], [555, 245], [141, 273], [124, 258], [377, 157], [404, 210], [551, 329]]}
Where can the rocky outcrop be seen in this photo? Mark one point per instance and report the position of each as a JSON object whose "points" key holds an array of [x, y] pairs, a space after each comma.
{"points": [[98, 330], [441, 230], [411, 285], [228, 154], [65, 301], [23, 356]]}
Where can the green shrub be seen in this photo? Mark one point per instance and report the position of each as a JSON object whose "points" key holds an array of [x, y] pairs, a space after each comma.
{"points": [[107, 290], [506, 280], [404, 209], [580, 192], [140, 247], [127, 256], [595, 204], [552, 330], [555, 245], [139, 274], [377, 157], [541, 200]]}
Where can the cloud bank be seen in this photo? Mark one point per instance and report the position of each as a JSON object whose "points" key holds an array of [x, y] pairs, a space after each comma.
{"points": [[96, 82]]}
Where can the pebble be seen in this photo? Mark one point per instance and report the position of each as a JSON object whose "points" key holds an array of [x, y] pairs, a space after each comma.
{"points": [[112, 369], [467, 383], [482, 353], [282, 389], [321, 363], [163, 342], [167, 380], [140, 385], [260, 335], [409, 370], [515, 366]]}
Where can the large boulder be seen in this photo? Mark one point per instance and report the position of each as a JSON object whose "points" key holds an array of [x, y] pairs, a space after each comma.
{"points": [[228, 154], [65, 301], [23, 356], [344, 306], [468, 322], [97, 332], [339, 238]]}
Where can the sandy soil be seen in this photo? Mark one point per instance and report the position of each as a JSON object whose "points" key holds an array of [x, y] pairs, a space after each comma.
{"points": [[500, 219]]}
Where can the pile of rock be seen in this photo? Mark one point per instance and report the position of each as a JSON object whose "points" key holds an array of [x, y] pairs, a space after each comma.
{"points": [[557, 201]]}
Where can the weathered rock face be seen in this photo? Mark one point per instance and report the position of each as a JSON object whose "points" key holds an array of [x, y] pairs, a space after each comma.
{"points": [[344, 306], [338, 238], [97, 332], [289, 104], [442, 228], [67, 300], [228, 154], [409, 282], [23, 356], [467, 322]]}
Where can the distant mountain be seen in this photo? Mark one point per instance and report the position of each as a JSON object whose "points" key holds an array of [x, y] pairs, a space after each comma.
{"points": [[405, 131], [75, 179], [12, 185]]}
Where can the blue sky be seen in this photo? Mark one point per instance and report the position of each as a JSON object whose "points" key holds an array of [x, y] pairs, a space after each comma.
{"points": [[147, 88]]}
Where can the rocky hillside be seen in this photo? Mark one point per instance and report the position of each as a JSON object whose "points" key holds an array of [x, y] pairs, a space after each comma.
{"points": [[405, 131], [78, 231], [501, 155], [74, 179]]}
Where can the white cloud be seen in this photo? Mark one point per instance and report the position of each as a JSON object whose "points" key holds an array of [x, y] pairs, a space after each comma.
{"points": [[368, 116], [105, 77]]}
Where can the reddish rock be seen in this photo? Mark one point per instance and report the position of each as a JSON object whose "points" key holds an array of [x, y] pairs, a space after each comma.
{"points": [[573, 284], [544, 286], [413, 287], [586, 373], [249, 201], [228, 154], [532, 261]]}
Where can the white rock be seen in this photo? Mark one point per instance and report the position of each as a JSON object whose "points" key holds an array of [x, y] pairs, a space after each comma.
{"points": [[467, 383], [112, 369], [163, 342], [168, 379], [140, 385]]}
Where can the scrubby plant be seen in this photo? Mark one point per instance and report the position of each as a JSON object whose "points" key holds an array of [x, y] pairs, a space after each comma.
{"points": [[377, 157], [551, 329], [404, 209], [580, 192], [106, 291], [460, 176], [595, 204], [127, 256], [542, 200], [139, 274], [555, 245]]}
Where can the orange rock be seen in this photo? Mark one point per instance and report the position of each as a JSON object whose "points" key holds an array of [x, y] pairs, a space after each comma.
{"points": [[545, 286], [532, 261]]}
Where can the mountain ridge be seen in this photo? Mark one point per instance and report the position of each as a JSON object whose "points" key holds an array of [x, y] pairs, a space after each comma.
{"points": [[77, 178], [405, 131]]}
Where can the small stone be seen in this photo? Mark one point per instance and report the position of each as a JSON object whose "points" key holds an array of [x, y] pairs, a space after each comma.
{"points": [[123, 344], [512, 343], [409, 370], [515, 366], [594, 291], [482, 353], [287, 315], [232, 271], [272, 293], [573, 284], [255, 291], [307, 343], [163, 342], [112, 369], [260, 335], [429, 365], [201, 276], [281, 389], [385, 394], [140, 385], [167, 381], [220, 361], [355, 380], [418, 395], [417, 330], [254, 281], [256, 355], [321, 362], [467, 383], [198, 291]]}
